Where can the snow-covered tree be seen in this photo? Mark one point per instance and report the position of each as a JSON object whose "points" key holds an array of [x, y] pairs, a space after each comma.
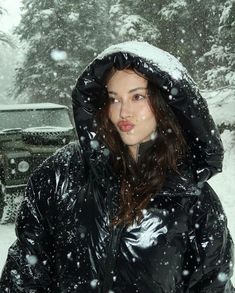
{"points": [[7, 61], [186, 28], [61, 38], [46, 28], [128, 24], [8, 58], [4, 38], [221, 57]]}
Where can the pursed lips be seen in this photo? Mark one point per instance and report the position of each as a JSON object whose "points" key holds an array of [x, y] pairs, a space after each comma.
{"points": [[125, 126]]}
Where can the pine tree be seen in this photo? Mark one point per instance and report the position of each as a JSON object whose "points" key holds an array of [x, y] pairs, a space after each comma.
{"points": [[8, 59], [185, 28], [62, 38], [4, 38], [221, 57], [128, 24], [45, 74]]}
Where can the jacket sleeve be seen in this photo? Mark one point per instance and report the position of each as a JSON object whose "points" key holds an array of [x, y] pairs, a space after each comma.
{"points": [[31, 261], [29, 264], [211, 258]]}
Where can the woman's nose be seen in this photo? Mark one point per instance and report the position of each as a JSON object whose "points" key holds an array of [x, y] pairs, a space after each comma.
{"points": [[126, 110]]}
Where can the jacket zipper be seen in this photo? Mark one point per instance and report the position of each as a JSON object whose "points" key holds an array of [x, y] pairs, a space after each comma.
{"points": [[111, 260], [112, 253]]}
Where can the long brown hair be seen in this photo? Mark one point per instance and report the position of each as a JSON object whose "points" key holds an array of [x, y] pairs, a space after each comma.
{"points": [[141, 180]]}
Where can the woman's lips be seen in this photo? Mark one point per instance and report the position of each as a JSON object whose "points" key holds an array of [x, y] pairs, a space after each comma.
{"points": [[125, 126]]}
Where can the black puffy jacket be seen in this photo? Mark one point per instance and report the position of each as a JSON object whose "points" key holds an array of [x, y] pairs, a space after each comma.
{"points": [[64, 239]]}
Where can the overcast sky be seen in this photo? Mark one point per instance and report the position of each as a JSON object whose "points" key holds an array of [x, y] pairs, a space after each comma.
{"points": [[12, 17]]}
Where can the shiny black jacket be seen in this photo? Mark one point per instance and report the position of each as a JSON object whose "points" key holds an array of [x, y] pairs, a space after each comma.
{"points": [[65, 242]]}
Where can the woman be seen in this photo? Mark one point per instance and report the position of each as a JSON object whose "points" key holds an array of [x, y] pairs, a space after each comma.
{"points": [[127, 209]]}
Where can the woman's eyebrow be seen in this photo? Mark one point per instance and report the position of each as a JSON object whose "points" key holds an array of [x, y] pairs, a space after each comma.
{"points": [[130, 91], [113, 93], [138, 88]]}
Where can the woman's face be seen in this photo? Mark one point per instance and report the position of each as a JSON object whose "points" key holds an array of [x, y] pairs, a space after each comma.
{"points": [[129, 109]]}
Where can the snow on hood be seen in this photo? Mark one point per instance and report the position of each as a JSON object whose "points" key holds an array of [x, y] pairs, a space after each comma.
{"points": [[160, 58], [176, 85]]}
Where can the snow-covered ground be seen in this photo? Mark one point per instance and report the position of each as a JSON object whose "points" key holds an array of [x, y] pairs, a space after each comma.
{"points": [[7, 237], [222, 106]]}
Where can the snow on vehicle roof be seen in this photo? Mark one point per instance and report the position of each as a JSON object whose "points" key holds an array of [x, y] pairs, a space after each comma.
{"points": [[162, 59], [44, 129], [35, 106]]}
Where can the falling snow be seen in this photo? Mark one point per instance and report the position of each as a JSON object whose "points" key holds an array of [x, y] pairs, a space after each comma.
{"points": [[58, 55], [94, 283]]}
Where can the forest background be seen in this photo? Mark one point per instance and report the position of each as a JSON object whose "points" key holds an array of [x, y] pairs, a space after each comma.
{"points": [[56, 39]]}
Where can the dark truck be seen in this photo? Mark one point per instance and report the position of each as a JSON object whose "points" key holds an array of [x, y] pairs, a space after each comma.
{"points": [[29, 133]]}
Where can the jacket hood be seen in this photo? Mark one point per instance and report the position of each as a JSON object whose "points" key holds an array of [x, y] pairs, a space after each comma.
{"points": [[180, 92]]}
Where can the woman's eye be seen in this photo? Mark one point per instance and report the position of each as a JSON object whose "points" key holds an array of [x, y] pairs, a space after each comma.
{"points": [[138, 97], [113, 100]]}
